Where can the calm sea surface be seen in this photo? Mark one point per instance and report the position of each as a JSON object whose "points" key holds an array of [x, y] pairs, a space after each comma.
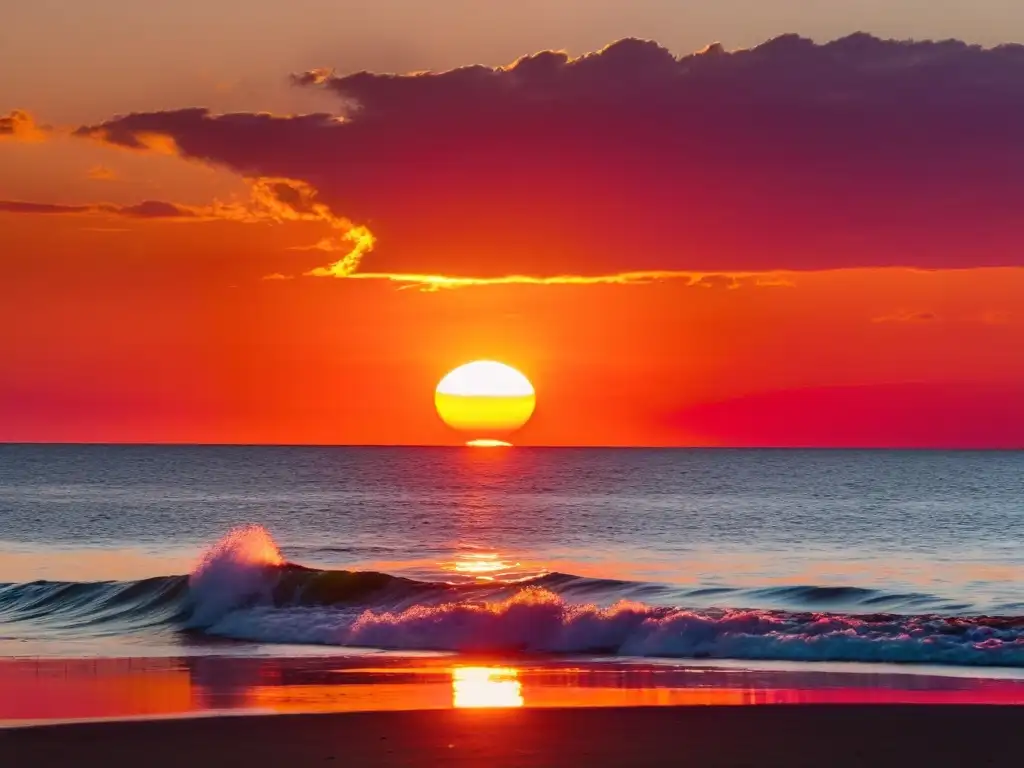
{"points": [[790, 555]]}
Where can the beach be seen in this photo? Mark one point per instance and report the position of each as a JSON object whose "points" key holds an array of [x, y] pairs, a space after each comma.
{"points": [[403, 607], [393, 711], [40, 691], [835, 735]]}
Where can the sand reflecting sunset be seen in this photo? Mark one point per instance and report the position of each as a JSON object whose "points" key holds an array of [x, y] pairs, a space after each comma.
{"points": [[476, 687]]}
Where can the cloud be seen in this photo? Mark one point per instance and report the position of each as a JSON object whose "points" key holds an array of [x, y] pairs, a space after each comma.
{"points": [[317, 76], [907, 316], [787, 156], [274, 200], [356, 242], [271, 200], [157, 209], [19, 125], [995, 317], [439, 282], [148, 209], [988, 317], [433, 283]]}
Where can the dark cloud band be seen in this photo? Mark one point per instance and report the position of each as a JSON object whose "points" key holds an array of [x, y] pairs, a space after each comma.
{"points": [[148, 209], [791, 155]]}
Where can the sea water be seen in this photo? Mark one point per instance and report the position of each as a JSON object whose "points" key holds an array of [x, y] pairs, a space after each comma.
{"points": [[779, 555]]}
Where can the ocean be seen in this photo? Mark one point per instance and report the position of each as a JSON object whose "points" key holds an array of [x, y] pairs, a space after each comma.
{"points": [[892, 557]]}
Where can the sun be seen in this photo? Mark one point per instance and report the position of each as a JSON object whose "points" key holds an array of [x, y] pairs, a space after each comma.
{"points": [[485, 400]]}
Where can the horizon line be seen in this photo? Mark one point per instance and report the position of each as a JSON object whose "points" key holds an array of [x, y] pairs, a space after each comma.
{"points": [[539, 446]]}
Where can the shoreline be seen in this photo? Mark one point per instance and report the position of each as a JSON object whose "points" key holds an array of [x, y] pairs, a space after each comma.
{"points": [[835, 735], [84, 690]]}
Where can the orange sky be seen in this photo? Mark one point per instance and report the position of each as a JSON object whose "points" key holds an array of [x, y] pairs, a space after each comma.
{"points": [[164, 331], [649, 304]]}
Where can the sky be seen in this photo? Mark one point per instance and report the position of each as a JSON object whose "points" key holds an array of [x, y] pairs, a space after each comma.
{"points": [[688, 223]]}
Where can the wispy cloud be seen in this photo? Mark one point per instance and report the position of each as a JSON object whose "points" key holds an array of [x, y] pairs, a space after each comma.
{"points": [[994, 317], [430, 283], [101, 173], [907, 316], [359, 242], [272, 199], [277, 200], [147, 209]]}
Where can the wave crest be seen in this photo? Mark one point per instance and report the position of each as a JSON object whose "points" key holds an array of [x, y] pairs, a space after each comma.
{"points": [[538, 620], [243, 588], [238, 570]]}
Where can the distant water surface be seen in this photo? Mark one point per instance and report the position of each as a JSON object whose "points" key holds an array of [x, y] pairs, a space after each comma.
{"points": [[906, 552]]}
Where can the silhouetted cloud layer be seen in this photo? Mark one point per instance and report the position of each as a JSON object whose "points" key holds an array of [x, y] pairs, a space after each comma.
{"points": [[148, 209], [791, 155], [276, 200]]}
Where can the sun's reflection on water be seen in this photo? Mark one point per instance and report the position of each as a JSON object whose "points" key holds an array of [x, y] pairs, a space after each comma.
{"points": [[479, 687], [53, 690], [480, 564]]}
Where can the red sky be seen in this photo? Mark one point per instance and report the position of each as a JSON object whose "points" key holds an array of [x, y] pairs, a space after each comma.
{"points": [[797, 244]]}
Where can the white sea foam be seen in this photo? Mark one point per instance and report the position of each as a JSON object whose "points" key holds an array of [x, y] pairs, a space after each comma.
{"points": [[235, 572], [230, 594], [538, 620]]}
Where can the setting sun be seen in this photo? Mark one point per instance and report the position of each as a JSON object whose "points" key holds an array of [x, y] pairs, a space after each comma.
{"points": [[486, 400]]}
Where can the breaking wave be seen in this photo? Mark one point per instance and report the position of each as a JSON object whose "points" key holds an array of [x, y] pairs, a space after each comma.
{"points": [[244, 589]]}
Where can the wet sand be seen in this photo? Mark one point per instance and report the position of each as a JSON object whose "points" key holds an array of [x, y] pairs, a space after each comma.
{"points": [[794, 735], [33, 691]]}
